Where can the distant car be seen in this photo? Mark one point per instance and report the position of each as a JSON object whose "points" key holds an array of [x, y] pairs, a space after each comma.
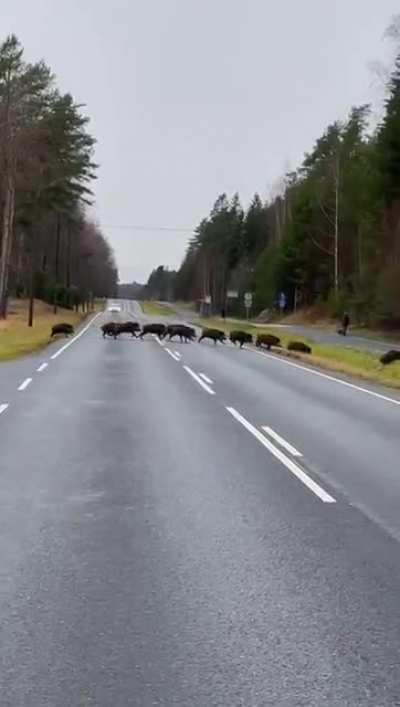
{"points": [[114, 308]]}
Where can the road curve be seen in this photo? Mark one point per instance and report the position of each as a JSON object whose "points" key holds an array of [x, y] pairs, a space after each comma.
{"points": [[156, 551]]}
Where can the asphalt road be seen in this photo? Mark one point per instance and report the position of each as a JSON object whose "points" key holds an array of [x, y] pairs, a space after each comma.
{"points": [[160, 548]]}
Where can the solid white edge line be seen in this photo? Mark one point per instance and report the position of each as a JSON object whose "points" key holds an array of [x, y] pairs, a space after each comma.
{"points": [[25, 384], [42, 367], [171, 354], [288, 463], [3, 407], [286, 445], [75, 338], [206, 378], [324, 375], [198, 380]]}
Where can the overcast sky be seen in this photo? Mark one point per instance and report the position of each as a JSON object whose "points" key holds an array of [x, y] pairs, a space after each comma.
{"points": [[191, 98]]}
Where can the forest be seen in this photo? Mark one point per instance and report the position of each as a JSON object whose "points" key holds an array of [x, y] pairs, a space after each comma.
{"points": [[49, 247], [331, 236]]}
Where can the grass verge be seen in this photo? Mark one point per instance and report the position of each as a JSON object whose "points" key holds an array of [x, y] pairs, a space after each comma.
{"points": [[156, 308], [342, 359], [17, 339]]}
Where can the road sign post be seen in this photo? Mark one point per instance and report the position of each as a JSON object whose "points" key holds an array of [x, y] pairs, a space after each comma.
{"points": [[282, 301], [248, 303]]}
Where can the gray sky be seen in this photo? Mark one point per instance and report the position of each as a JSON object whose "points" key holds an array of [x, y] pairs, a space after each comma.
{"points": [[190, 98]]}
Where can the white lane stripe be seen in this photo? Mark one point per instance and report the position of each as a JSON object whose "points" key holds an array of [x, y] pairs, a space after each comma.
{"points": [[286, 445], [286, 461], [279, 359], [171, 354], [42, 367], [25, 384], [206, 378], [177, 354], [3, 407], [199, 381], [159, 341], [75, 338]]}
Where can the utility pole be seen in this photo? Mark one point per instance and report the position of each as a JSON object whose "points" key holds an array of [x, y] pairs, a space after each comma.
{"points": [[336, 246]]}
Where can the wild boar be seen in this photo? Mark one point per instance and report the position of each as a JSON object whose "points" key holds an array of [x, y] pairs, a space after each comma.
{"points": [[66, 329], [185, 333], [213, 334], [267, 340], [110, 329], [159, 329], [299, 346], [129, 328], [390, 356], [241, 337]]}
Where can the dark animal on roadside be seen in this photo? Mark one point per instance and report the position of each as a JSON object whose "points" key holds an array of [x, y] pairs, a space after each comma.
{"points": [[128, 328], [66, 329], [299, 346], [158, 329], [240, 337], [213, 334], [390, 356], [267, 340], [185, 333], [110, 329]]}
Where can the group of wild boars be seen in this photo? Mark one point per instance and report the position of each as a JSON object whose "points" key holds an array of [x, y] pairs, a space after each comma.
{"points": [[241, 337], [213, 334], [63, 328]]}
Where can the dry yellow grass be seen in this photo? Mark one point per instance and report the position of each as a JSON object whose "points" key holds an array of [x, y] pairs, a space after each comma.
{"points": [[17, 339]]}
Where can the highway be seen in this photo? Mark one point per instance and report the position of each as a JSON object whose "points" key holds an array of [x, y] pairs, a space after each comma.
{"points": [[195, 525]]}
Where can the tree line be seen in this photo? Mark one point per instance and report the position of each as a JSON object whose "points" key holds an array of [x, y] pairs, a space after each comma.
{"points": [[49, 248], [332, 234]]}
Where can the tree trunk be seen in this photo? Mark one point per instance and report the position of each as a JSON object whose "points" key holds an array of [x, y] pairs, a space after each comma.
{"points": [[31, 292], [56, 262], [6, 242], [68, 269]]}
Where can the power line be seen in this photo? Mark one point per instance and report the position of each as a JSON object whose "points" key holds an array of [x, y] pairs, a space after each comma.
{"points": [[129, 227]]}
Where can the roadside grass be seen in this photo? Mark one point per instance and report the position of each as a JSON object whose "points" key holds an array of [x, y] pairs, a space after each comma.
{"points": [[17, 339], [156, 308], [342, 359]]}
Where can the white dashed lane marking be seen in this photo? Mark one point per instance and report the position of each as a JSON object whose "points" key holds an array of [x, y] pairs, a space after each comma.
{"points": [[25, 384], [286, 445], [198, 380], [286, 461]]}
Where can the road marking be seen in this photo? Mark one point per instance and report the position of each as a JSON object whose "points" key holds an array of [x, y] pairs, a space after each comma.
{"points": [[286, 461], [206, 378], [325, 375], [199, 381], [177, 354], [3, 407], [75, 338], [159, 341], [42, 367], [25, 384], [286, 445], [171, 353]]}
